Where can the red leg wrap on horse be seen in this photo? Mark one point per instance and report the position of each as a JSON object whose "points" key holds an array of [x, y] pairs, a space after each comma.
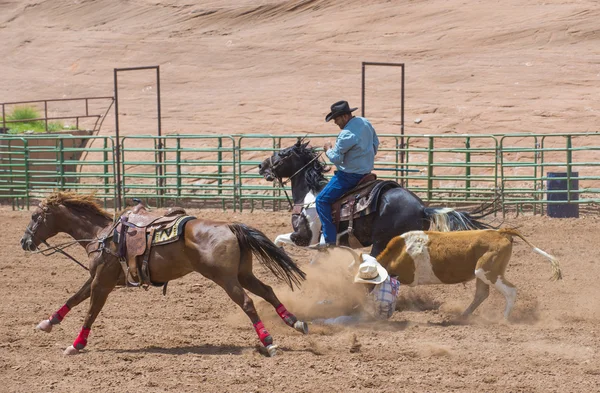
{"points": [[289, 318], [81, 340], [58, 316], [263, 334]]}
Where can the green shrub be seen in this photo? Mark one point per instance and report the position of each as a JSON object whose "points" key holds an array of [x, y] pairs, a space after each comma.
{"points": [[26, 115]]}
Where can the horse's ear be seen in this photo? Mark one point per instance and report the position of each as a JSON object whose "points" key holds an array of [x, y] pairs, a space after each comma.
{"points": [[299, 142], [305, 144]]}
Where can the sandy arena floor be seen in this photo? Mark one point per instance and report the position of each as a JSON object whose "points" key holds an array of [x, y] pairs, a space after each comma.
{"points": [[196, 339], [275, 66]]}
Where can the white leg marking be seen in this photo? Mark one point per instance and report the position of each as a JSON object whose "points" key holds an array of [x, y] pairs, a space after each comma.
{"points": [[283, 239], [510, 293], [416, 247], [314, 223], [480, 274]]}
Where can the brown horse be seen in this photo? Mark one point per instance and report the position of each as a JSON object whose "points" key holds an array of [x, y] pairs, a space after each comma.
{"points": [[219, 251]]}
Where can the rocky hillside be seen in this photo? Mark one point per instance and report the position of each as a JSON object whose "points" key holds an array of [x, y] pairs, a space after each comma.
{"points": [[241, 66]]}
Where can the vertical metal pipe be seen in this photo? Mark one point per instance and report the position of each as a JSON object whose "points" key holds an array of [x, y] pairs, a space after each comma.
{"points": [[542, 172], [569, 166], [235, 175], [27, 179], [468, 167], [105, 160], [220, 171], [117, 152], [46, 114], [402, 123], [178, 163], [362, 90], [158, 100], [61, 164], [537, 184], [430, 169], [160, 142]]}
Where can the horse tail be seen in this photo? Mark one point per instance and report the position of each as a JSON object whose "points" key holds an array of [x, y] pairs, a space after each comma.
{"points": [[445, 219], [556, 272], [272, 257]]}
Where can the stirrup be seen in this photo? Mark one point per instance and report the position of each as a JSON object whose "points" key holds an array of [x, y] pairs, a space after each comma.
{"points": [[322, 247]]}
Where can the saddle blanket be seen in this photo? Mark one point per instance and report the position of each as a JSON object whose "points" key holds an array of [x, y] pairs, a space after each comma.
{"points": [[171, 234]]}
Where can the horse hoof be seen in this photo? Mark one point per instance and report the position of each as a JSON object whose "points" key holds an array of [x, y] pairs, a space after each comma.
{"points": [[272, 350], [302, 327], [44, 326], [71, 350]]}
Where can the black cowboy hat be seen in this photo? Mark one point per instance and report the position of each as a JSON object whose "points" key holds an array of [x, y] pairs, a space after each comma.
{"points": [[339, 108]]}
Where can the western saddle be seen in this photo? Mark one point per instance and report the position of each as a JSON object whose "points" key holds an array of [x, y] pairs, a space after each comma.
{"points": [[362, 200], [134, 236]]}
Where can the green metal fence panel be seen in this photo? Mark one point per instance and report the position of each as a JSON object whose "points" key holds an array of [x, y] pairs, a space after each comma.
{"points": [[40, 164], [222, 171], [452, 168], [528, 158], [520, 171], [13, 168], [189, 168], [252, 188], [253, 149]]}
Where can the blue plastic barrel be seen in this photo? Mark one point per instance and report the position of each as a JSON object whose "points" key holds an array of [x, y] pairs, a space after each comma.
{"points": [[563, 210]]}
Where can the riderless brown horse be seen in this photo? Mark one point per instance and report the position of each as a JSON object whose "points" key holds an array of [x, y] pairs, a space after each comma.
{"points": [[221, 252]]}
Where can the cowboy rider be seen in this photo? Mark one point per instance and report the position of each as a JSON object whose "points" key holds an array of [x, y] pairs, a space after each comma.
{"points": [[381, 291], [354, 157]]}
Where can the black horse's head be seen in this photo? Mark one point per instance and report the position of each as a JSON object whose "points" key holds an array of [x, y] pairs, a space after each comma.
{"points": [[286, 162]]}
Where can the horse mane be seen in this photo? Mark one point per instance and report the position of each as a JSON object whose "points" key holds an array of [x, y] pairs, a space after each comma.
{"points": [[314, 175], [77, 201]]}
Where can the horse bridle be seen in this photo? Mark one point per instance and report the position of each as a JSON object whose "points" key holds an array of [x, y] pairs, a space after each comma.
{"points": [[279, 179], [41, 217], [50, 250]]}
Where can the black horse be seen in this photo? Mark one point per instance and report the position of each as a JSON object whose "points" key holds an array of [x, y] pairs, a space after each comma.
{"points": [[398, 209]]}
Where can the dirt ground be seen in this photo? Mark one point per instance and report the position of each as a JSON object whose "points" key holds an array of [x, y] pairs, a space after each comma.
{"points": [[196, 339], [275, 66]]}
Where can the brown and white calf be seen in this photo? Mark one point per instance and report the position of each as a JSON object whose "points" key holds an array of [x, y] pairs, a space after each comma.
{"points": [[423, 258]]}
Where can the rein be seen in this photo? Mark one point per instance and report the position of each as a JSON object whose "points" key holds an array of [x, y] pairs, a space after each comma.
{"points": [[50, 250], [60, 248], [283, 183]]}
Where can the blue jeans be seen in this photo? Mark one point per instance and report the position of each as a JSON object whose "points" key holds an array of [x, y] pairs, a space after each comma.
{"points": [[340, 183]]}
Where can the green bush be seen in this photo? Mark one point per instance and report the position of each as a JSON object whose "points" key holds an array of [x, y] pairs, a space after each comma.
{"points": [[25, 116]]}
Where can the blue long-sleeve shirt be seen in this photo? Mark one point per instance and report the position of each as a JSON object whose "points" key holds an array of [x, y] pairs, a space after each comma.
{"points": [[355, 147]]}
